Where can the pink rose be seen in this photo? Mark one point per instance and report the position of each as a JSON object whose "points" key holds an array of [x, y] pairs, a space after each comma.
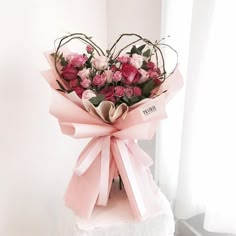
{"points": [[84, 74], [108, 92], [108, 74], [85, 83], [123, 59], [119, 91], [129, 92], [153, 74], [136, 60], [73, 83], [144, 76], [137, 91], [99, 80], [69, 72], [89, 49], [79, 61], [100, 62], [117, 76], [87, 94], [79, 91], [130, 74]]}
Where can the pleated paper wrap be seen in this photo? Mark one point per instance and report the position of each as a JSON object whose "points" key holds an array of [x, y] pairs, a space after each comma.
{"points": [[112, 148]]}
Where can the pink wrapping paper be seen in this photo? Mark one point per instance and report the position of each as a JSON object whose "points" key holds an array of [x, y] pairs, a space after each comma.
{"points": [[111, 150]]}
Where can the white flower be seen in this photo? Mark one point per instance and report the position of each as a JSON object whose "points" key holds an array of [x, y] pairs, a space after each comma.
{"points": [[136, 60], [87, 94], [100, 62]]}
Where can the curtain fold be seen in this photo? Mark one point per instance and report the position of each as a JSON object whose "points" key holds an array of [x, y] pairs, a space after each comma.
{"points": [[198, 172]]}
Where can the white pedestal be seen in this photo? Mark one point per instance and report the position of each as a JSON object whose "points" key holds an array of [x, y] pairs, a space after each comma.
{"points": [[117, 220]]}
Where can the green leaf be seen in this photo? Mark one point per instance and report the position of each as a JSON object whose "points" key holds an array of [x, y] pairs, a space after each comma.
{"points": [[148, 87], [140, 49], [133, 50], [60, 90], [61, 56], [126, 100], [61, 85], [147, 53], [96, 100], [63, 61], [134, 99]]}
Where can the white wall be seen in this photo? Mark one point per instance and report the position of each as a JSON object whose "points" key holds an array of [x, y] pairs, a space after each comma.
{"points": [[36, 160]]}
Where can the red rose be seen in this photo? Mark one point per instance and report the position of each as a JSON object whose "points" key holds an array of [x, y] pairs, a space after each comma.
{"points": [[153, 74], [151, 65], [108, 92], [69, 72], [73, 83], [79, 91], [157, 82], [130, 74]]}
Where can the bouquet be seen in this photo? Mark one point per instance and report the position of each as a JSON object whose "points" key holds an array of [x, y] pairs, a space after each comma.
{"points": [[114, 97]]}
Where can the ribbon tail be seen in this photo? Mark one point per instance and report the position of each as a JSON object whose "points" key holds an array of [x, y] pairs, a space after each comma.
{"points": [[105, 167], [142, 192], [125, 168], [138, 152]]}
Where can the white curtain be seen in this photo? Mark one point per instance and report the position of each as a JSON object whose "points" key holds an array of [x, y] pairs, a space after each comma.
{"points": [[197, 157]]}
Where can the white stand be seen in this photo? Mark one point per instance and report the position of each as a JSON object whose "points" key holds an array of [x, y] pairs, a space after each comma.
{"points": [[117, 220]]}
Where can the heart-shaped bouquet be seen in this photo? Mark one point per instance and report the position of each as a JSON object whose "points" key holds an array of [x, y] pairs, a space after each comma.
{"points": [[109, 82], [114, 97]]}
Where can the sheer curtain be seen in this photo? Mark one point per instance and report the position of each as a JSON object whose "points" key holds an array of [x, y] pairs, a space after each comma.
{"points": [[198, 172]]}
